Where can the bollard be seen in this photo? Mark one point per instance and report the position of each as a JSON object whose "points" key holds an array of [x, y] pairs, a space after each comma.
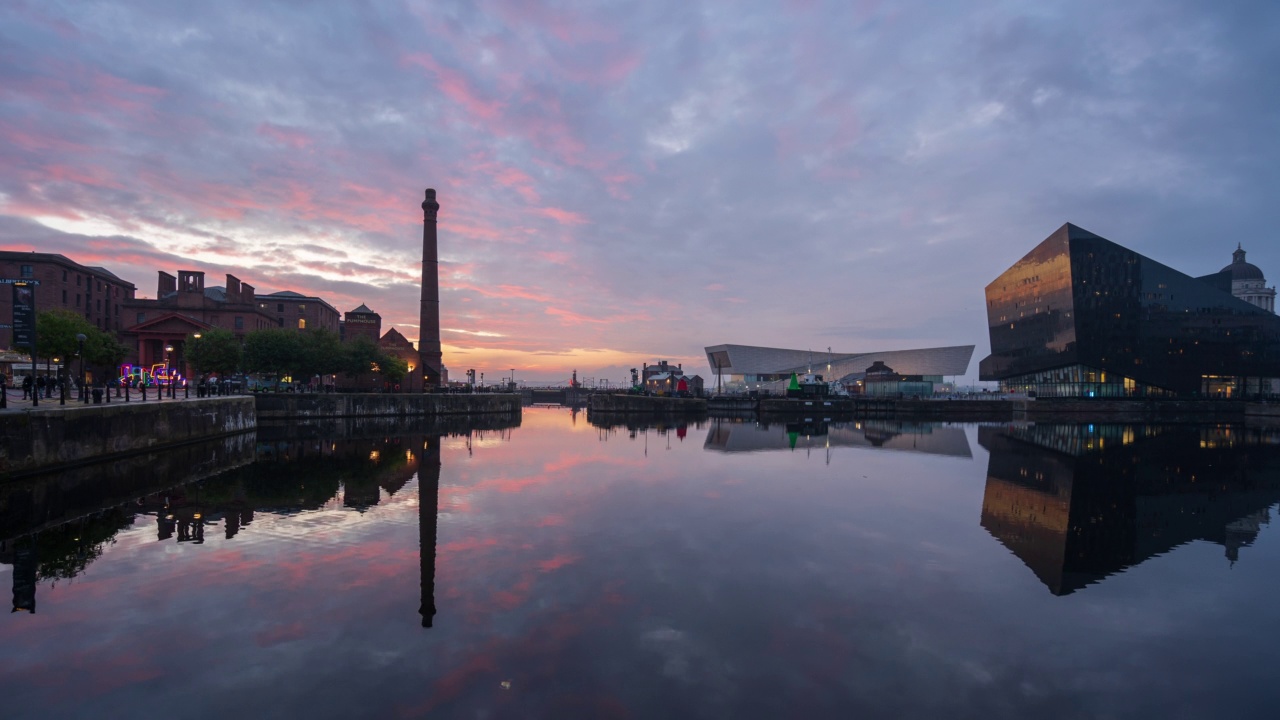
{"points": [[97, 396], [126, 392], [144, 392], [186, 391], [106, 394]]}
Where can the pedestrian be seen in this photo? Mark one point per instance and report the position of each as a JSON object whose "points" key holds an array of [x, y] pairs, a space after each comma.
{"points": [[26, 387]]}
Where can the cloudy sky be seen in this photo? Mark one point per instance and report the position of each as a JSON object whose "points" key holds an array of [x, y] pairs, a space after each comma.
{"points": [[629, 181]]}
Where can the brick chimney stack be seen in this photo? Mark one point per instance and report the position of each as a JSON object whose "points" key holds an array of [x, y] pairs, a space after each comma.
{"points": [[429, 357]]}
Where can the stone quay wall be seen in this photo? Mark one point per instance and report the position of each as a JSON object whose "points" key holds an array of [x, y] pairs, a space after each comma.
{"points": [[272, 406], [64, 436]]}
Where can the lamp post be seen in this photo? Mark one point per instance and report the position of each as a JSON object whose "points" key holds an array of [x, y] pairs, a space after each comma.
{"points": [[168, 369], [62, 387], [195, 356], [84, 396]]}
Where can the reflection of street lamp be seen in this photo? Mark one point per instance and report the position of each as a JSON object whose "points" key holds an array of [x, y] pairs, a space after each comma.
{"points": [[168, 369], [84, 396]]}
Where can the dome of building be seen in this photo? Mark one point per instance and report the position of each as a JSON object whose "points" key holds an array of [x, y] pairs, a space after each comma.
{"points": [[1241, 270]]}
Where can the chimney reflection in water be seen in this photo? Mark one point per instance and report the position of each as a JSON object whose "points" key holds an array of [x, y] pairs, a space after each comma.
{"points": [[428, 507]]}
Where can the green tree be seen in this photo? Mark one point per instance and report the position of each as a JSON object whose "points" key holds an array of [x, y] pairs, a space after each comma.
{"points": [[216, 351], [56, 336], [360, 356], [322, 354], [275, 352], [104, 349], [392, 368], [56, 332]]}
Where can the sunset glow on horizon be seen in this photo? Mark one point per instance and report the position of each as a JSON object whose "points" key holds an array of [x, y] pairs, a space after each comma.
{"points": [[627, 182]]}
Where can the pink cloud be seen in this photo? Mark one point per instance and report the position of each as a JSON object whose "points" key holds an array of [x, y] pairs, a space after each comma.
{"points": [[455, 86], [292, 137], [565, 217], [557, 562]]}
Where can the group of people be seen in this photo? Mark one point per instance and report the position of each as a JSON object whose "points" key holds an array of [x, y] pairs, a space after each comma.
{"points": [[39, 386]]}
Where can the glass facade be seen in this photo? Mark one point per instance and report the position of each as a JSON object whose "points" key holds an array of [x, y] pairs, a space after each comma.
{"points": [[1079, 308], [1079, 381]]}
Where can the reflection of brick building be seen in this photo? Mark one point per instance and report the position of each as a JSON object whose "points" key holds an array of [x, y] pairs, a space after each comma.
{"points": [[93, 292], [298, 311], [184, 306]]}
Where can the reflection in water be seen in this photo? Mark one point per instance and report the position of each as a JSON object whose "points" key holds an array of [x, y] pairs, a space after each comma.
{"points": [[1077, 503], [54, 527], [428, 513], [922, 437], [635, 424]]}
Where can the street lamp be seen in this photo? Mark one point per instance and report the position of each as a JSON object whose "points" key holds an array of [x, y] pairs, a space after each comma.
{"points": [[62, 387], [168, 369], [195, 356], [84, 396]]}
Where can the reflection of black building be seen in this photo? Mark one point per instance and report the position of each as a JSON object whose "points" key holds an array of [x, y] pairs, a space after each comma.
{"points": [[1082, 316], [1077, 503]]}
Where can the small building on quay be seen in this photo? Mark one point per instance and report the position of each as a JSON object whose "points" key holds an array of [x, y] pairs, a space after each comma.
{"points": [[880, 381], [1081, 316]]}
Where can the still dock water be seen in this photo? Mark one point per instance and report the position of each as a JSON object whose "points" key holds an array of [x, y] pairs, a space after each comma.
{"points": [[721, 569]]}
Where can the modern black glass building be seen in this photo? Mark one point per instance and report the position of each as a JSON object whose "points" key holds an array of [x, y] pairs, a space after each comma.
{"points": [[1080, 316]]}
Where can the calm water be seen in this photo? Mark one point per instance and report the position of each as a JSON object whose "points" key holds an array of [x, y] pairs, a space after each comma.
{"points": [[559, 569]]}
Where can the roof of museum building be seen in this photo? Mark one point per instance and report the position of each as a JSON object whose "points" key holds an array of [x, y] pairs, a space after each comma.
{"points": [[1241, 270]]}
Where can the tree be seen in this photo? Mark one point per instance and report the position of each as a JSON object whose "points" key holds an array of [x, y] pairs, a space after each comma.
{"points": [[322, 354], [217, 351], [274, 352], [56, 336], [360, 356], [104, 349], [56, 332], [393, 369]]}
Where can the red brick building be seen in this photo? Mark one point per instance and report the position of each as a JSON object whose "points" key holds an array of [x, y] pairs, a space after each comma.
{"points": [[183, 306], [94, 292], [300, 312], [362, 322], [397, 345]]}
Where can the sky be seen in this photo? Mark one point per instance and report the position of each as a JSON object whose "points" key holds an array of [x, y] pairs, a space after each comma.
{"points": [[624, 182]]}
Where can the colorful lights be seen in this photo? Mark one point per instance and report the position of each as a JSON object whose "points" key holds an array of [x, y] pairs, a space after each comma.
{"points": [[159, 374]]}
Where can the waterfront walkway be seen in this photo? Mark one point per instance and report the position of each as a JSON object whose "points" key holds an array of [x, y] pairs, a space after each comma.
{"points": [[16, 403]]}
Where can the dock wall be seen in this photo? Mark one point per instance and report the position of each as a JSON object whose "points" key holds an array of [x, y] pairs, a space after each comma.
{"points": [[272, 406], [64, 436]]}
